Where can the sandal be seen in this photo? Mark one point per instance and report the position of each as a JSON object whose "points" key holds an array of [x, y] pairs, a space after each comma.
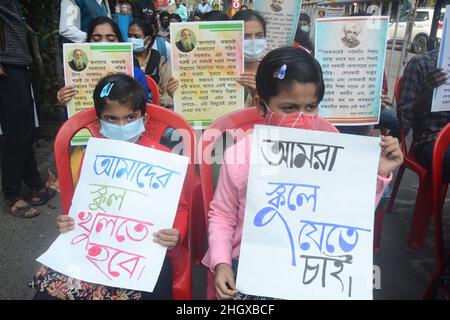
{"points": [[43, 196], [21, 211]]}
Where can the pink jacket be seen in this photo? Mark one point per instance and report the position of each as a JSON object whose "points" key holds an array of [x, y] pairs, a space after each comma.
{"points": [[226, 217]]}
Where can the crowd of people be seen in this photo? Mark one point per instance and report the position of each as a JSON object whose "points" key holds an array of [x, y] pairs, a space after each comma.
{"points": [[301, 88]]}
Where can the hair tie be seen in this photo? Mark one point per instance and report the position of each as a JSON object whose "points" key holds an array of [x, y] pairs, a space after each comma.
{"points": [[106, 89], [281, 73], [306, 50]]}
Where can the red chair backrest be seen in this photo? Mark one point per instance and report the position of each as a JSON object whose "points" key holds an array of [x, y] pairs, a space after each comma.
{"points": [[159, 120], [398, 89], [244, 120], [153, 87], [440, 148]]}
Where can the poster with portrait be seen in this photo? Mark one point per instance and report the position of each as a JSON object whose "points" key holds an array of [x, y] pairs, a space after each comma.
{"points": [[441, 95], [282, 19], [308, 225], [125, 194], [207, 58], [84, 65], [352, 51]]}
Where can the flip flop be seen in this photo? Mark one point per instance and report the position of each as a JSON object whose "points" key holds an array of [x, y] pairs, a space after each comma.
{"points": [[21, 212], [44, 196]]}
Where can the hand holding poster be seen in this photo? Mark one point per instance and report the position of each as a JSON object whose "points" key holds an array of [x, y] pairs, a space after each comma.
{"points": [[84, 65], [126, 193], [352, 51], [282, 19], [308, 224], [207, 59], [441, 95]]}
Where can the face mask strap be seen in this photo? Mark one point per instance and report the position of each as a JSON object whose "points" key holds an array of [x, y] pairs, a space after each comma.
{"points": [[299, 115]]}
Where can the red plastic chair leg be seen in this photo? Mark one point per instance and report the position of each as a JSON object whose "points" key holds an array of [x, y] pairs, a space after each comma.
{"points": [[422, 215], [398, 180], [210, 291], [183, 273], [197, 223], [379, 216]]}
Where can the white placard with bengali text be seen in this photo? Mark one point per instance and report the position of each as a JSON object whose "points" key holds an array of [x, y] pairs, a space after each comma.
{"points": [[126, 192], [308, 224]]}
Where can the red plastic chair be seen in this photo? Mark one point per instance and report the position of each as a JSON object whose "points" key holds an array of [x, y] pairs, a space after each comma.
{"points": [[159, 120], [422, 213], [153, 87], [439, 191], [244, 120]]}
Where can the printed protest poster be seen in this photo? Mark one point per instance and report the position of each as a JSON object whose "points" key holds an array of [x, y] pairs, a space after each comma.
{"points": [[282, 19], [351, 51], [84, 65], [308, 223], [126, 192], [329, 12], [207, 59], [441, 95]]}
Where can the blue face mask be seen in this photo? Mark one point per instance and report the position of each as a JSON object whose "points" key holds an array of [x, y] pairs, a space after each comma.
{"points": [[138, 44], [254, 49], [305, 29], [130, 132]]}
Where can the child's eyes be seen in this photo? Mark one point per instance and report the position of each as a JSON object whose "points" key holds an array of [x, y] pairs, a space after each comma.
{"points": [[132, 117], [289, 109], [311, 107]]}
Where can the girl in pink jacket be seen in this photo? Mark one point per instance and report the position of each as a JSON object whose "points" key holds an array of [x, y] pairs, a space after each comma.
{"points": [[289, 86]]}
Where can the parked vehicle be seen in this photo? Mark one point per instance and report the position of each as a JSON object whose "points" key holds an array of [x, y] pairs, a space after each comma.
{"points": [[421, 29]]}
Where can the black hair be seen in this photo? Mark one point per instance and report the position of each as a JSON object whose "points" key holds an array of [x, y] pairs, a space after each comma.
{"points": [[175, 16], [103, 20], [147, 27], [123, 89], [215, 15], [164, 14], [300, 67], [199, 14], [249, 15], [304, 17], [243, 6]]}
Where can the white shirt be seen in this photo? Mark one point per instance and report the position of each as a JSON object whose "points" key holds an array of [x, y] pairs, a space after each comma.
{"points": [[70, 20], [204, 8]]}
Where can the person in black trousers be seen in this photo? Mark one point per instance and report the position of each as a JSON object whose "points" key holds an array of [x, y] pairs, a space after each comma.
{"points": [[17, 117]]}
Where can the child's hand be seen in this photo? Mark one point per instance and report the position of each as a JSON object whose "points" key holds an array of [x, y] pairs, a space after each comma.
{"points": [[224, 282], [65, 94], [65, 223], [391, 155], [172, 86], [167, 238], [248, 79]]}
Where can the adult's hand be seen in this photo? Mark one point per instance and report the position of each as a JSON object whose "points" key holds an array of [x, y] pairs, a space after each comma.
{"points": [[65, 94], [435, 78]]}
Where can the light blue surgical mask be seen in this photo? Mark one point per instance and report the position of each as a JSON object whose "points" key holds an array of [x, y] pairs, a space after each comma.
{"points": [[138, 44], [130, 132], [254, 49], [305, 29]]}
